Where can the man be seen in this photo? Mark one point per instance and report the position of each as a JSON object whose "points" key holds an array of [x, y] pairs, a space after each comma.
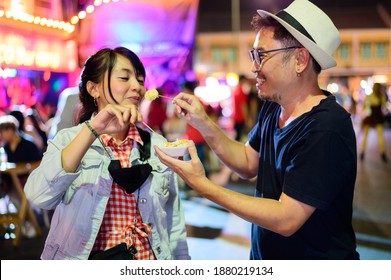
{"points": [[19, 116], [17, 147], [303, 147]]}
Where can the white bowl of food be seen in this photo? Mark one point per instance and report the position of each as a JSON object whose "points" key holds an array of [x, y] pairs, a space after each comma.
{"points": [[178, 148]]}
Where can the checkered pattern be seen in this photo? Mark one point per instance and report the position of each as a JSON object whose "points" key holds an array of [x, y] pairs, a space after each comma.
{"points": [[122, 221]]}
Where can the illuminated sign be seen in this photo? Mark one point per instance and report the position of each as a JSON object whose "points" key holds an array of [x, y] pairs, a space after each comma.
{"points": [[37, 53]]}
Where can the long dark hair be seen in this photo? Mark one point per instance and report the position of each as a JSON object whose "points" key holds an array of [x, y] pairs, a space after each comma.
{"points": [[94, 70], [377, 90]]}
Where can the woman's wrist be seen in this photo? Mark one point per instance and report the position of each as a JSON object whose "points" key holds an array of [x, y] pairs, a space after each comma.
{"points": [[93, 131]]}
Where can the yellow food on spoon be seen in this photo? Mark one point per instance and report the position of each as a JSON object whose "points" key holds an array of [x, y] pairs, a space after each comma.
{"points": [[151, 94]]}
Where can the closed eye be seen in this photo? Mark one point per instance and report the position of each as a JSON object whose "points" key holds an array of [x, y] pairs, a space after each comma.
{"points": [[141, 81]]}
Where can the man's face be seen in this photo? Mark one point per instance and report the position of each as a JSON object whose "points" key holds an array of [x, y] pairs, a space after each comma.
{"points": [[275, 72]]}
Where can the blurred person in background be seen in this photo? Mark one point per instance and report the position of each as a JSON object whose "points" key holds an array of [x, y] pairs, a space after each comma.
{"points": [[35, 127], [302, 148], [17, 147], [113, 198], [67, 111], [192, 133], [241, 114], [374, 104], [174, 127], [157, 113], [254, 105], [19, 115]]}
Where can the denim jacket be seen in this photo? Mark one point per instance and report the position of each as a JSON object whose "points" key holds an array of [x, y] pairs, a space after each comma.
{"points": [[80, 200]]}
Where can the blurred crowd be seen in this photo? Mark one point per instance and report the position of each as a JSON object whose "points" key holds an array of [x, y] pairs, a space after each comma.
{"points": [[26, 128], [24, 131], [370, 109], [37, 123]]}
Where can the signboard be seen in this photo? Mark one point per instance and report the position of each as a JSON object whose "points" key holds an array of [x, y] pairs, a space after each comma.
{"points": [[37, 53]]}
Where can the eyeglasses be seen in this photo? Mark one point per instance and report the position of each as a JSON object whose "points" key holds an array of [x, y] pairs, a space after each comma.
{"points": [[257, 55]]}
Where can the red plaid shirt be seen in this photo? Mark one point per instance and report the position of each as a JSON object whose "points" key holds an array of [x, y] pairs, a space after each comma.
{"points": [[122, 221]]}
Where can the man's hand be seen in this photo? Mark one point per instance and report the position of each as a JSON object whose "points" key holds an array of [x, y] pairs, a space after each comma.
{"points": [[190, 108], [191, 171]]}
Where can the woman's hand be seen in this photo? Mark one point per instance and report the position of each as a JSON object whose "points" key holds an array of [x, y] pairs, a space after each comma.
{"points": [[115, 118]]}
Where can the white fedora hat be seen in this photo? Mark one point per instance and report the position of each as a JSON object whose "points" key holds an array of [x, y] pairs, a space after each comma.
{"points": [[312, 28]]}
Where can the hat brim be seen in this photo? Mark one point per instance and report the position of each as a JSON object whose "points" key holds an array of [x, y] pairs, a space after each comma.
{"points": [[324, 59]]}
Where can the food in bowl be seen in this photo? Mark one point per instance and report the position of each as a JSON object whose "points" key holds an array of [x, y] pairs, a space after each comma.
{"points": [[151, 94], [178, 148], [177, 143]]}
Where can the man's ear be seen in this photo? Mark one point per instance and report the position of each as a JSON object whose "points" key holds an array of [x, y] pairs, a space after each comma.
{"points": [[303, 58]]}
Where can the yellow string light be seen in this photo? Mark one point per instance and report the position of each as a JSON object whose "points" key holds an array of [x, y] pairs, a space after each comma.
{"points": [[45, 22], [53, 23]]}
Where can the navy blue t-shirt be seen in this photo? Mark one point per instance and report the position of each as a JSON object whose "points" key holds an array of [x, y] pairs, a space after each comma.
{"points": [[25, 151], [313, 160]]}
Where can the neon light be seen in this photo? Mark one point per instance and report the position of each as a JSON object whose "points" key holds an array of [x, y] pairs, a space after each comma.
{"points": [[74, 19], [37, 20], [82, 14], [20, 51], [8, 73], [51, 23], [90, 9]]}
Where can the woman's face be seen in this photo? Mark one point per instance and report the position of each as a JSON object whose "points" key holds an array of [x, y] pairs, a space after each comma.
{"points": [[126, 87]]}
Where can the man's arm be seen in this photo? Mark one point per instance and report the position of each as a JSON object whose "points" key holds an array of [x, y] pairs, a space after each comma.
{"points": [[239, 157], [284, 216]]}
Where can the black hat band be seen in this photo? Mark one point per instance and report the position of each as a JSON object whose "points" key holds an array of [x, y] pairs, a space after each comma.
{"points": [[293, 22]]}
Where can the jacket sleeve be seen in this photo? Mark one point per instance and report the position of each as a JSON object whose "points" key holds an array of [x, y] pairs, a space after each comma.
{"points": [[177, 228], [47, 184]]}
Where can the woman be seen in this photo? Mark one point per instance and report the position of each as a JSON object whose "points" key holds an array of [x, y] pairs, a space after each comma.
{"points": [[114, 199], [373, 106]]}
